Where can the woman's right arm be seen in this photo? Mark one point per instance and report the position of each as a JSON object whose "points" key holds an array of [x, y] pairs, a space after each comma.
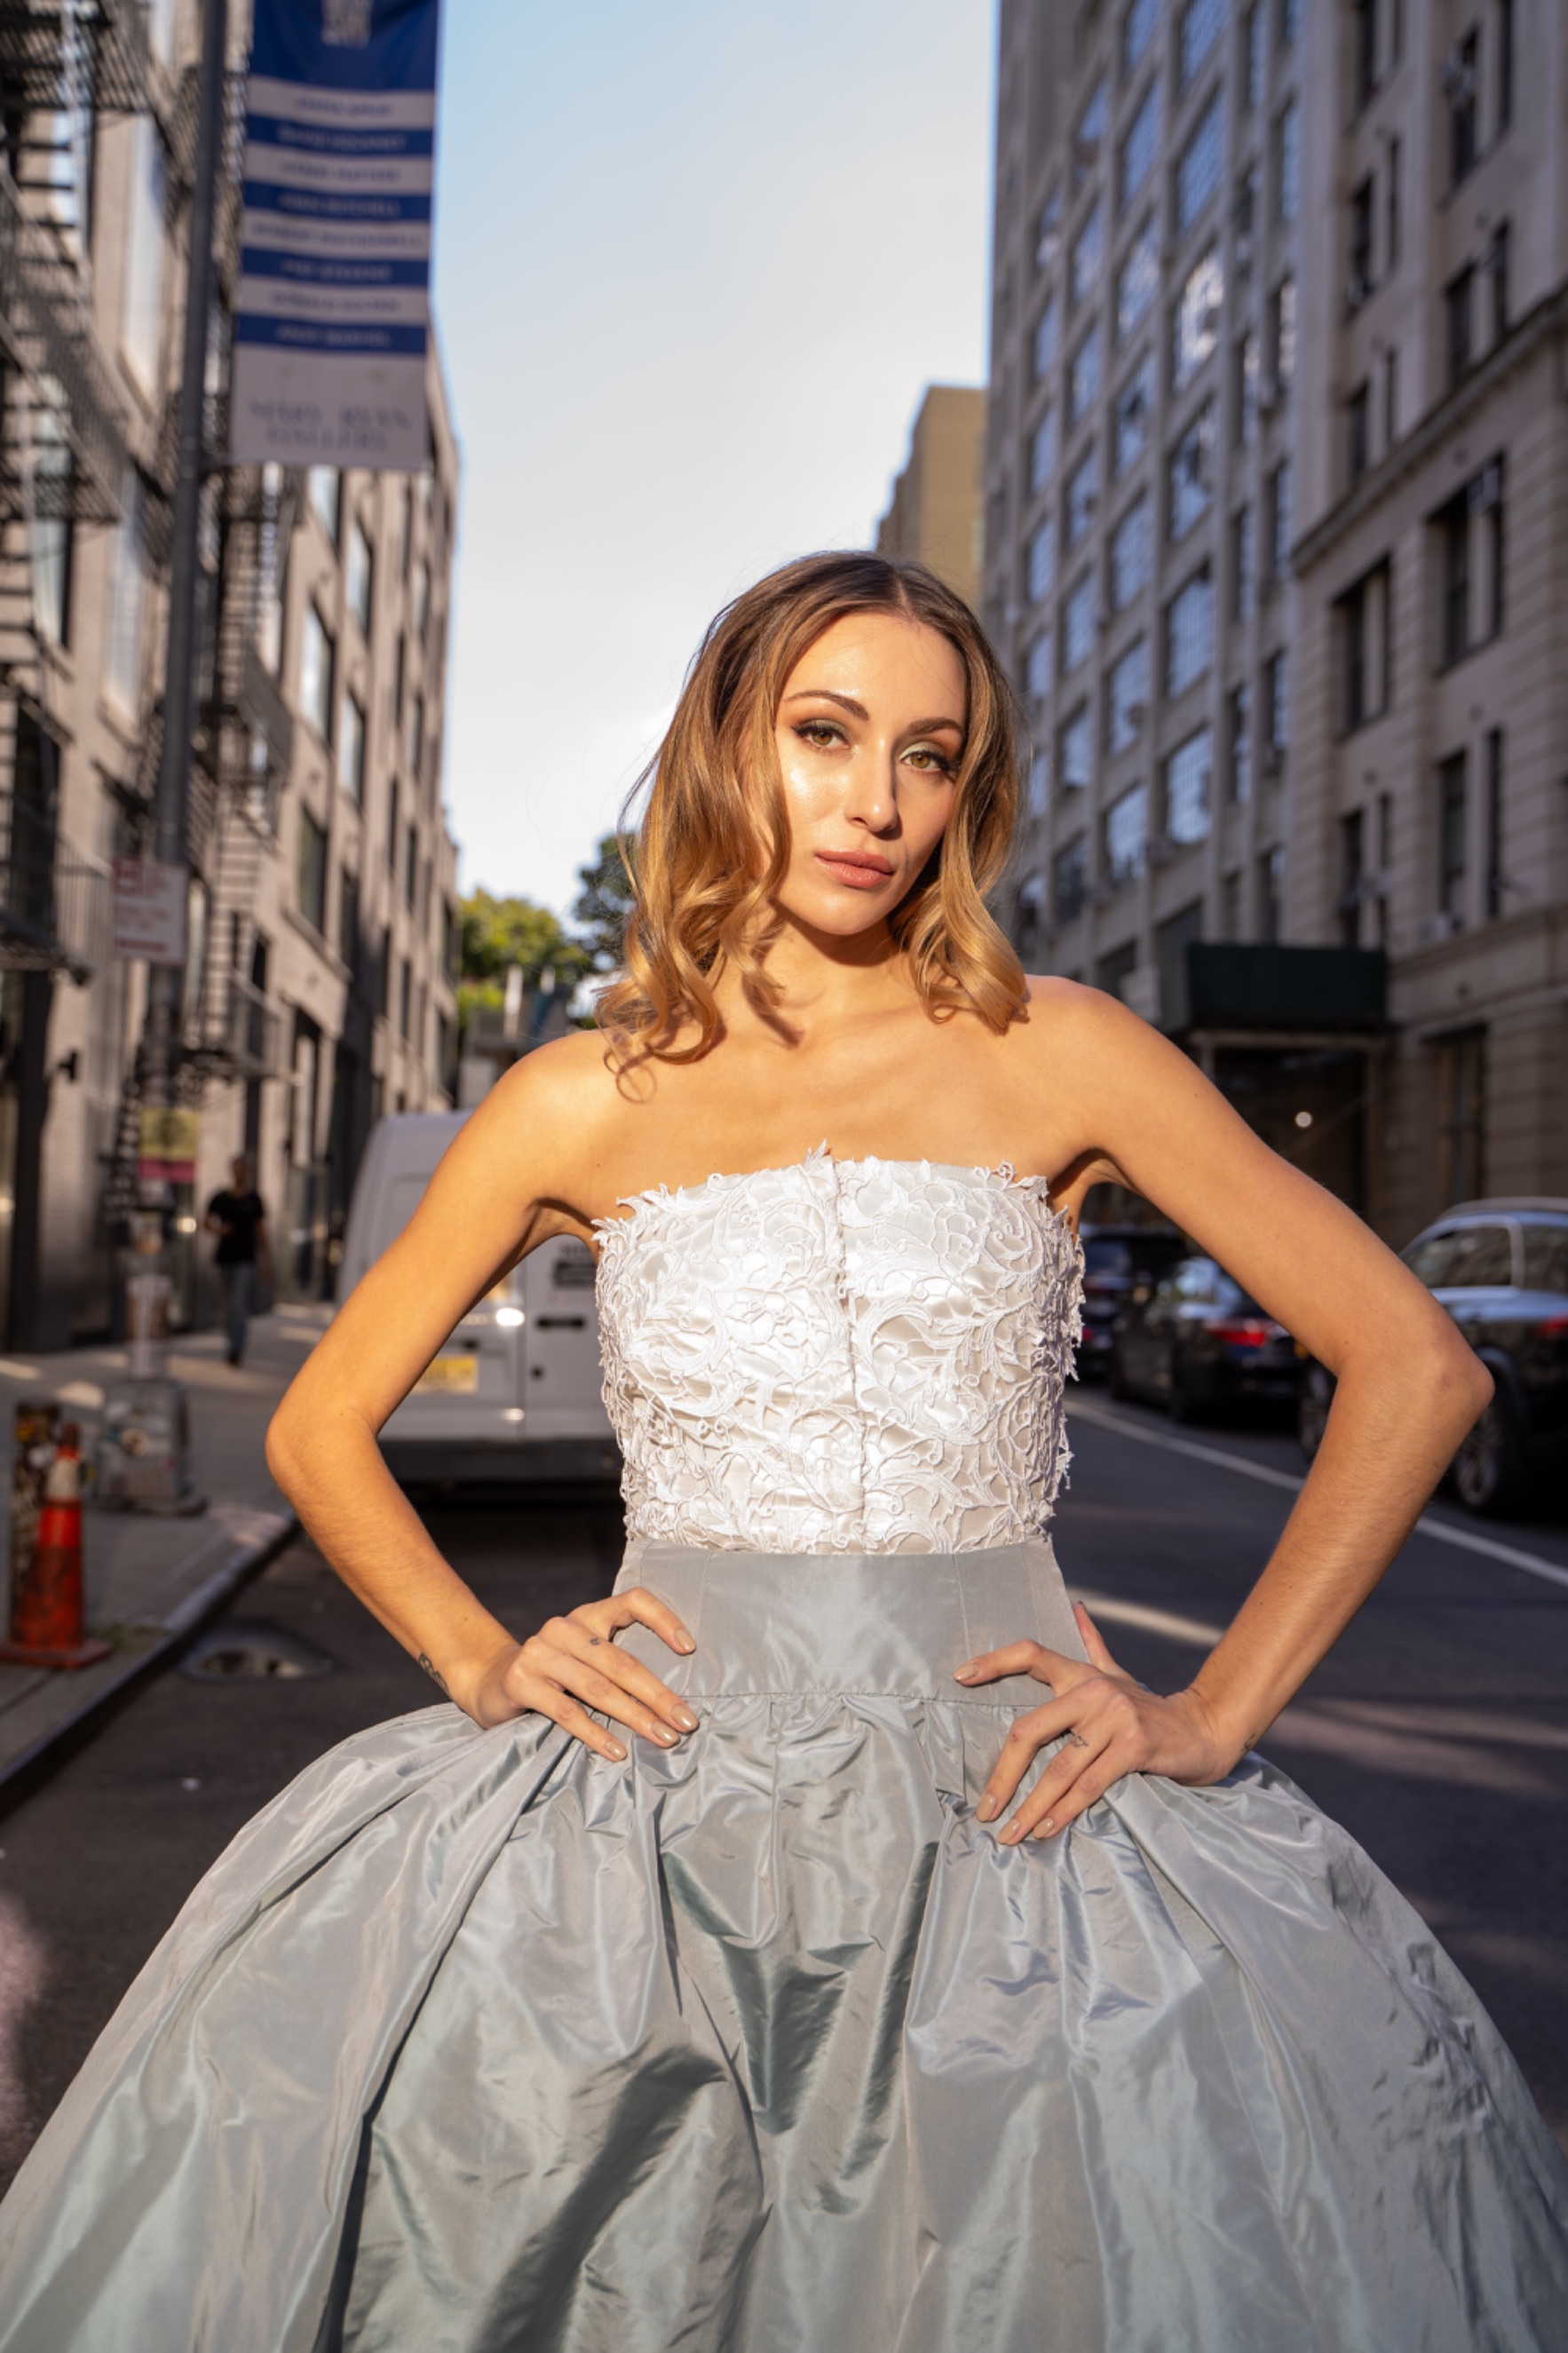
{"points": [[507, 1183]]}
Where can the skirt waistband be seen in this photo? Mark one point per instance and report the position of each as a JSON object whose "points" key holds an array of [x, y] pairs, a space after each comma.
{"points": [[890, 1622]]}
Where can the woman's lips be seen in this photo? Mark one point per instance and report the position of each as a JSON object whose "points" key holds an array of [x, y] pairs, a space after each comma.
{"points": [[860, 872]]}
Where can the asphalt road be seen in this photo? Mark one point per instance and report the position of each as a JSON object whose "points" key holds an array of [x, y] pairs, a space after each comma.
{"points": [[1437, 1730]]}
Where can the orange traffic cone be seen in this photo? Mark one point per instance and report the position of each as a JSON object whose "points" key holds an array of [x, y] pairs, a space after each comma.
{"points": [[48, 1605]]}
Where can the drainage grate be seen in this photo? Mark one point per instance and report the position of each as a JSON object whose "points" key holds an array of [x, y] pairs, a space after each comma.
{"points": [[236, 1651]]}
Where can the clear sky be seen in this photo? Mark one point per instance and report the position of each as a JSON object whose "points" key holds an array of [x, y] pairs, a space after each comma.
{"points": [[694, 264]]}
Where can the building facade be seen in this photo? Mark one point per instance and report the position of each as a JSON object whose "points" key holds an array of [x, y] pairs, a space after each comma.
{"points": [[319, 983], [1265, 284], [935, 515]]}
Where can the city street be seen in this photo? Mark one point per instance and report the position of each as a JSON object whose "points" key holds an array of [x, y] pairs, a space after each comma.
{"points": [[1438, 1731]]}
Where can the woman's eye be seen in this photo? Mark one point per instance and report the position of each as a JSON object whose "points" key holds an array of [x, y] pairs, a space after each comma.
{"points": [[820, 732], [930, 762]]}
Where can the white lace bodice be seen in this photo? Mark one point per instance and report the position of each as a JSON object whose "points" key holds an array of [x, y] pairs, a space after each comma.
{"points": [[845, 1356]]}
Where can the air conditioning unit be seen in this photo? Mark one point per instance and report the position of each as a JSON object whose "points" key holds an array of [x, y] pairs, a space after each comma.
{"points": [[1162, 848], [1433, 929]]}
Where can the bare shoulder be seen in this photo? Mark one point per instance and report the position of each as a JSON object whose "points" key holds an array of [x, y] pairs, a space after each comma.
{"points": [[1079, 1030], [543, 1127]]}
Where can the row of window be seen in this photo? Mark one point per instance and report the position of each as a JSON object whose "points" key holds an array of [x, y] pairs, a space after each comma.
{"points": [[317, 688]]}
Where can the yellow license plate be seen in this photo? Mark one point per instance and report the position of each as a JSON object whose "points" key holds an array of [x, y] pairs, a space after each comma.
{"points": [[449, 1376]]}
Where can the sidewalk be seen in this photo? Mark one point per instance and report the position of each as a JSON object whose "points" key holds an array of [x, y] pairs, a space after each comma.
{"points": [[148, 1579]]}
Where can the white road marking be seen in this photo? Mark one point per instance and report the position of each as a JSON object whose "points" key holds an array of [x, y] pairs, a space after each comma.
{"points": [[1487, 1547], [1150, 1622]]}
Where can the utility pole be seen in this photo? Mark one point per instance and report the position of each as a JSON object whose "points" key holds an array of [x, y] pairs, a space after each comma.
{"points": [[143, 1456]]}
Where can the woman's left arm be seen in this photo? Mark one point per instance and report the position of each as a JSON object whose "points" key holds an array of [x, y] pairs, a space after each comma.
{"points": [[1408, 1387]]}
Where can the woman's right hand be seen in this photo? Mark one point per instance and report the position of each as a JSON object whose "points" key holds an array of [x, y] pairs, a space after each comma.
{"points": [[572, 1664]]}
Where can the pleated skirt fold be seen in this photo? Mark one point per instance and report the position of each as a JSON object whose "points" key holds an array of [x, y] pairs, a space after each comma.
{"points": [[474, 2042]]}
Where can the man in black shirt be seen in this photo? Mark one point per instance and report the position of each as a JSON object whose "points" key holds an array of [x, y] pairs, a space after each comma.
{"points": [[239, 1221]]}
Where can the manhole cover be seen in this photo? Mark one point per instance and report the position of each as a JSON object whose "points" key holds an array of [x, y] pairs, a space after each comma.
{"points": [[236, 1652]]}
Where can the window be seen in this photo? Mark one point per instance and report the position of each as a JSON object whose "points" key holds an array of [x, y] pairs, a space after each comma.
{"points": [[1254, 55], [1087, 254], [417, 735], [350, 747], [1127, 698], [348, 921], [1504, 65], [142, 317], [1039, 783], [1459, 313], [357, 575], [1129, 554], [1461, 1094], [421, 600], [1074, 761], [1358, 285], [1048, 339], [310, 870], [1287, 163], [324, 489], [1232, 918], [1352, 865], [392, 828], [122, 651], [1029, 918], [1239, 728], [1037, 669], [1385, 862], [1187, 773], [1496, 880], [1364, 616], [1394, 228], [411, 865], [1271, 895], [1078, 624], [1243, 564], [1083, 378], [1358, 432], [1197, 30], [1198, 165], [1470, 530], [1276, 708], [1190, 468], [1088, 131], [1042, 561], [1497, 271], [1069, 880], [1043, 451], [1245, 390], [1138, 148], [1546, 1257], [317, 661], [1244, 210], [405, 1001], [1131, 417], [1364, 51], [1197, 318], [1390, 398], [1138, 279], [1282, 333], [1110, 970], [1189, 633], [1460, 77], [1049, 234], [1452, 829], [1289, 23], [1082, 492], [1137, 32], [1280, 521], [1126, 837]]}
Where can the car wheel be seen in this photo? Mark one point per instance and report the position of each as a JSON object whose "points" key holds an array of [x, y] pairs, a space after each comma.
{"points": [[1490, 1474], [1312, 1410]]}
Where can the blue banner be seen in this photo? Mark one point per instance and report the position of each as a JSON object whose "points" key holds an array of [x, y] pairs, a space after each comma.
{"points": [[332, 325]]}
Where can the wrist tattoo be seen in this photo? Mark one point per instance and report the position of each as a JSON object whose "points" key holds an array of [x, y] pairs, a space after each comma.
{"points": [[433, 1672]]}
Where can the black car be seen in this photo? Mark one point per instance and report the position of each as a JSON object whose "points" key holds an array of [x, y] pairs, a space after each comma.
{"points": [[1195, 1341], [1118, 1260], [1500, 1269]]}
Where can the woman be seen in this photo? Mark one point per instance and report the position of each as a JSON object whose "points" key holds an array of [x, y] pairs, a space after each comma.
{"points": [[852, 1953]]}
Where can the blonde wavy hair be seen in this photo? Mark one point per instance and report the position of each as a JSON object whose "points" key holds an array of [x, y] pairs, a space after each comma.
{"points": [[712, 846]]}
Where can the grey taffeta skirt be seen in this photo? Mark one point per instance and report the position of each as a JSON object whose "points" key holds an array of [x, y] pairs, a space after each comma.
{"points": [[473, 2043]]}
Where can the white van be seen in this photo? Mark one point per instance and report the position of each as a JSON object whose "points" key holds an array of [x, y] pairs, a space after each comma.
{"points": [[514, 1393]]}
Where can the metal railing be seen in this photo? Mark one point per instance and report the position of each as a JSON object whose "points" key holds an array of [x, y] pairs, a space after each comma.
{"points": [[47, 331], [54, 899]]}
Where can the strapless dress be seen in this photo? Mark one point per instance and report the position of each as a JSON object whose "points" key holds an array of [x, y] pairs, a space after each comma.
{"points": [[476, 2043]]}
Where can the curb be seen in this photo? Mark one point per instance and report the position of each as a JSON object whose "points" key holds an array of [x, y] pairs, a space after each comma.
{"points": [[32, 1767]]}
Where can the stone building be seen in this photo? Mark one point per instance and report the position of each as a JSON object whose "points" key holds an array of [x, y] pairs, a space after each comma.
{"points": [[934, 516], [318, 984], [1272, 487]]}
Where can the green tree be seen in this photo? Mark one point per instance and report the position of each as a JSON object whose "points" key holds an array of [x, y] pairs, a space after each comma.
{"points": [[499, 932], [601, 907]]}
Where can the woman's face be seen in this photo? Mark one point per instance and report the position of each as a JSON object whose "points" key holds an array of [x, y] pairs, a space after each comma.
{"points": [[870, 735]]}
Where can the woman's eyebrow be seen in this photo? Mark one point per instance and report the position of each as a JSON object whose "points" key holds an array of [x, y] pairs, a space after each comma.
{"points": [[859, 709]]}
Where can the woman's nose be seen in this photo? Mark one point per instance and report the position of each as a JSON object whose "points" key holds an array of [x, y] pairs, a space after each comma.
{"points": [[873, 791]]}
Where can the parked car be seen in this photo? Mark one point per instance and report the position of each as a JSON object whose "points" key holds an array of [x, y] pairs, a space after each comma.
{"points": [[514, 1393], [1196, 1341], [1500, 1269], [1118, 1260]]}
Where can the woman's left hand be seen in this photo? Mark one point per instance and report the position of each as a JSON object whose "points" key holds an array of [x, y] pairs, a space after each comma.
{"points": [[1112, 1727]]}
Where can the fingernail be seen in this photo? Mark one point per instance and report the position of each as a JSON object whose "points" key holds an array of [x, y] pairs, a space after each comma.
{"points": [[959, 1674], [684, 1642], [684, 1717], [662, 1734], [987, 1810], [1045, 1829], [1011, 1835], [615, 1752]]}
